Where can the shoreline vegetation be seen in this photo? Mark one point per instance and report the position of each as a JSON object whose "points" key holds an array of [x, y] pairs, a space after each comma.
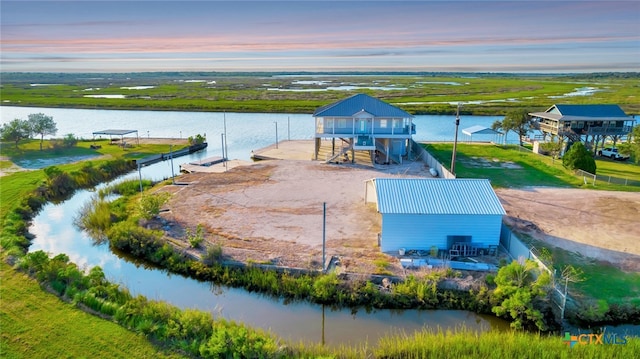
{"points": [[417, 93], [197, 334]]}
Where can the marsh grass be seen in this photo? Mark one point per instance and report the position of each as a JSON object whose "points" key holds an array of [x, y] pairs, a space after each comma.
{"points": [[419, 93], [462, 343]]}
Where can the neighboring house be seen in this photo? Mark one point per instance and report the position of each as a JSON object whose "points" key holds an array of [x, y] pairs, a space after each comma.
{"points": [[364, 123], [418, 214], [584, 123]]}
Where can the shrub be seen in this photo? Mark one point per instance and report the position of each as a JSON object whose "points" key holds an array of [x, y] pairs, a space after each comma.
{"points": [[196, 239], [149, 206], [69, 140], [236, 341], [325, 288], [578, 157], [212, 255], [518, 287]]}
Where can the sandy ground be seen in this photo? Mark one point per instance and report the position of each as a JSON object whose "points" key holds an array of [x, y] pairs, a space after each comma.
{"points": [[603, 225], [271, 212]]}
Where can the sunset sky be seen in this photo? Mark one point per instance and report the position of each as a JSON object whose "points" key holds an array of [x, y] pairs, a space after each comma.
{"points": [[475, 36]]}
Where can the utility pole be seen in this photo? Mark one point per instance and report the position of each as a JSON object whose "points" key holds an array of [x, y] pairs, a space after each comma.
{"points": [[276, 122], [140, 177], [225, 155], [324, 232], [173, 176], [455, 142]]}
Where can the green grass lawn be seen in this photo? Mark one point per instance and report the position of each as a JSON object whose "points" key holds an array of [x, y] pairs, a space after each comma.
{"points": [[601, 281], [36, 324], [504, 166], [625, 169], [15, 185], [510, 166], [30, 150]]}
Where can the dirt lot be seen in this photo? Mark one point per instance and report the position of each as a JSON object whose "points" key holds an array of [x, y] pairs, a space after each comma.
{"points": [[271, 212], [604, 225]]}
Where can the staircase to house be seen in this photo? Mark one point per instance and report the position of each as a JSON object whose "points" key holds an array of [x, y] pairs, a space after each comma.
{"points": [[325, 152], [383, 155]]}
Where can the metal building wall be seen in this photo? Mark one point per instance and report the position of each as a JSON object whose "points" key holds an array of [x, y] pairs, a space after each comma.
{"points": [[421, 232]]}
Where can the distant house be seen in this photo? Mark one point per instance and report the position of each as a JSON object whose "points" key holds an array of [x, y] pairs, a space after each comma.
{"points": [[584, 123], [422, 213], [364, 123]]}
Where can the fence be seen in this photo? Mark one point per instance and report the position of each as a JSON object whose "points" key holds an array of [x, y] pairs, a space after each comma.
{"points": [[518, 250], [607, 179], [422, 155]]}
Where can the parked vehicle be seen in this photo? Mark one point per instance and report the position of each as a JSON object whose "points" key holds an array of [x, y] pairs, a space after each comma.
{"points": [[612, 153]]}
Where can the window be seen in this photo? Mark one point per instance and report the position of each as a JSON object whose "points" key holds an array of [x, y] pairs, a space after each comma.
{"points": [[383, 123]]}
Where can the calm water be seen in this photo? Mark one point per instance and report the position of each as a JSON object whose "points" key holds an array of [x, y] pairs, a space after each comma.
{"points": [[245, 131]]}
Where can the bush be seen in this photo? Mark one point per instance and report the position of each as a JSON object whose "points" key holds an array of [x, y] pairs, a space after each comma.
{"points": [[579, 158], [212, 255], [325, 288], [150, 204], [236, 341], [196, 239], [69, 140]]}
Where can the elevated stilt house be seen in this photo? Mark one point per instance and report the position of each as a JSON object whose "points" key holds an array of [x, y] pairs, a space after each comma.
{"points": [[364, 123], [583, 123]]}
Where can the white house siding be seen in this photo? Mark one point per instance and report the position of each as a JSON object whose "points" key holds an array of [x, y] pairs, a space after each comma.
{"points": [[420, 231]]}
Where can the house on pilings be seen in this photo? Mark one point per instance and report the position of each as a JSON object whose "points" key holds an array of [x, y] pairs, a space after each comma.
{"points": [[364, 123], [590, 124]]}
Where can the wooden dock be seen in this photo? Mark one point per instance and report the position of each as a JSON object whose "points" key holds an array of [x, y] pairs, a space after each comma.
{"points": [[217, 167], [209, 161]]}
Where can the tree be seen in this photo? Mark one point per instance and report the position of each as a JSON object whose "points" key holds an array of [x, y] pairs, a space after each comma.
{"points": [[15, 131], [199, 139], [497, 126], [632, 147], [553, 147], [518, 286], [578, 157], [517, 121], [42, 125]]}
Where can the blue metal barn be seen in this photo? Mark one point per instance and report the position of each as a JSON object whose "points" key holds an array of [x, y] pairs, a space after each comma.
{"points": [[422, 213]]}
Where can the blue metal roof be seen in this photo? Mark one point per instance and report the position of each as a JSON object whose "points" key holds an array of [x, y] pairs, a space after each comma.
{"points": [[436, 196], [589, 110], [350, 106]]}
